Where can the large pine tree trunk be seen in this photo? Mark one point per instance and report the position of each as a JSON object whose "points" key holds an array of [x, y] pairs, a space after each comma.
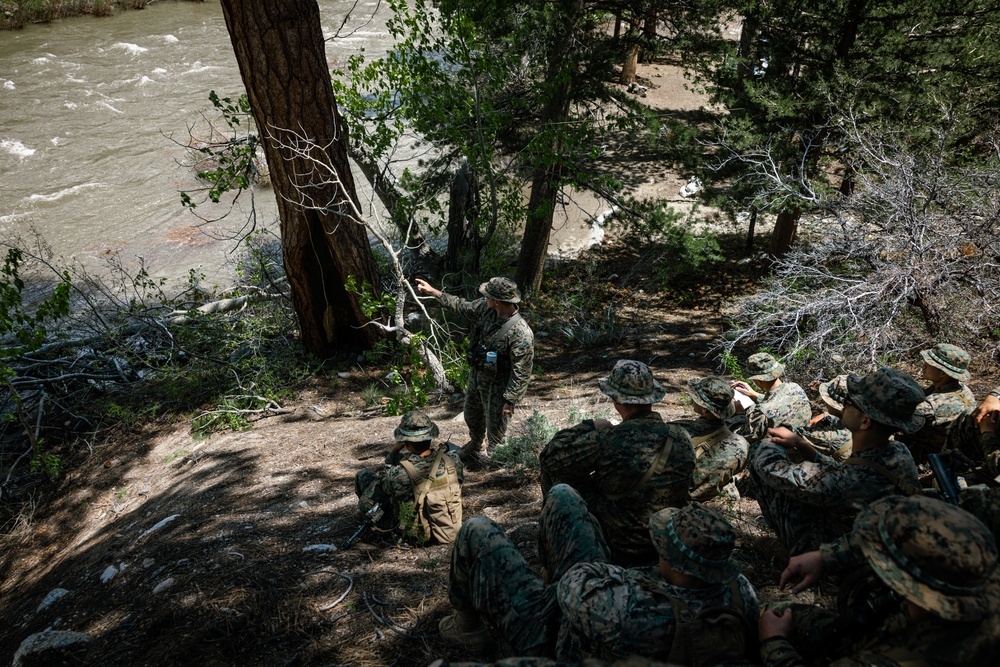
{"points": [[630, 65], [280, 50]]}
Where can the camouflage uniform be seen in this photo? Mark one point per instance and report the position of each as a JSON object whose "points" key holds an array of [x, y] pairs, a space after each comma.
{"points": [[594, 609], [829, 435], [489, 389], [719, 453], [927, 552], [979, 446], [490, 576], [786, 403], [390, 485], [610, 613], [944, 405], [607, 465], [808, 503]]}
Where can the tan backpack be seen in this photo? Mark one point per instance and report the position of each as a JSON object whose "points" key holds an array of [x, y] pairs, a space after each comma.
{"points": [[437, 499]]}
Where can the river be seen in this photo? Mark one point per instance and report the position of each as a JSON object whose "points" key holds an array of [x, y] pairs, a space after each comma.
{"points": [[94, 115]]}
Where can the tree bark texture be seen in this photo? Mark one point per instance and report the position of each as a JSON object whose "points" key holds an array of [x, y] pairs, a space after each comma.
{"points": [[546, 177], [785, 227], [280, 50]]}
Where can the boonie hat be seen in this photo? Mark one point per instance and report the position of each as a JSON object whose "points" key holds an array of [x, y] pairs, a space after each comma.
{"points": [[762, 366], [889, 397], [834, 392], [415, 427], [632, 382], [934, 554], [951, 359], [501, 289], [696, 541], [714, 394]]}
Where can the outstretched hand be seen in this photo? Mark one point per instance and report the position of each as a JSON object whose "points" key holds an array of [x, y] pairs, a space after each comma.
{"points": [[803, 571], [426, 288]]}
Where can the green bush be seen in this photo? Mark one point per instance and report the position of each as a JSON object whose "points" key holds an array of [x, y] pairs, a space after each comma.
{"points": [[522, 448]]}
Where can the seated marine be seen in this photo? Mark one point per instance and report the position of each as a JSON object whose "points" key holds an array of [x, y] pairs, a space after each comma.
{"points": [[627, 472], [719, 453], [583, 607], [406, 480], [932, 596], [780, 403]]}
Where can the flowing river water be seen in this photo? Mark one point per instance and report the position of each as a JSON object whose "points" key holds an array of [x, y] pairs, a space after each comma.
{"points": [[94, 115]]}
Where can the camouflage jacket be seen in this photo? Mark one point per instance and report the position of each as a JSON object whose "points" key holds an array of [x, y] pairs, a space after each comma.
{"points": [[843, 489], [980, 447], [785, 404], [715, 462], [393, 483], [904, 641], [829, 436], [935, 642], [941, 410], [515, 353], [610, 612], [611, 461]]}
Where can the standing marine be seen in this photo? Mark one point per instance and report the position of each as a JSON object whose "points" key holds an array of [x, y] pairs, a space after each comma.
{"points": [[501, 352]]}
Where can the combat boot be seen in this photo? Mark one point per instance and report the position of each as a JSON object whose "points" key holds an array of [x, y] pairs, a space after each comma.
{"points": [[472, 456], [466, 629]]}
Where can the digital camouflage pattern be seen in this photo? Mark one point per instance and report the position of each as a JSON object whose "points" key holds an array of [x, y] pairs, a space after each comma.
{"points": [[391, 486], [786, 403], [981, 447], [631, 382], [609, 612], [501, 289], [415, 426], [950, 359], [490, 576], [713, 394], [941, 410], [951, 545], [717, 460], [487, 391], [829, 436], [932, 553], [695, 540], [812, 502], [888, 396], [605, 465], [834, 392], [763, 366]]}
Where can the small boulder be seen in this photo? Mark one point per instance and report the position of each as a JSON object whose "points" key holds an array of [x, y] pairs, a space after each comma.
{"points": [[51, 647], [53, 595]]}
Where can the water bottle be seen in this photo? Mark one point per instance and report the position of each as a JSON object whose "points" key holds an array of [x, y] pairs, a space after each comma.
{"points": [[491, 358]]}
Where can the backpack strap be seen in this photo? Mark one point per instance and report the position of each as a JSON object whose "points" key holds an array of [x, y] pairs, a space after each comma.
{"points": [[902, 485], [422, 483], [705, 442], [505, 329], [661, 456]]}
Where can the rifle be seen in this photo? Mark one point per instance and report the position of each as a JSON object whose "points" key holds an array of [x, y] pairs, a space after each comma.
{"points": [[945, 477], [371, 518]]}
